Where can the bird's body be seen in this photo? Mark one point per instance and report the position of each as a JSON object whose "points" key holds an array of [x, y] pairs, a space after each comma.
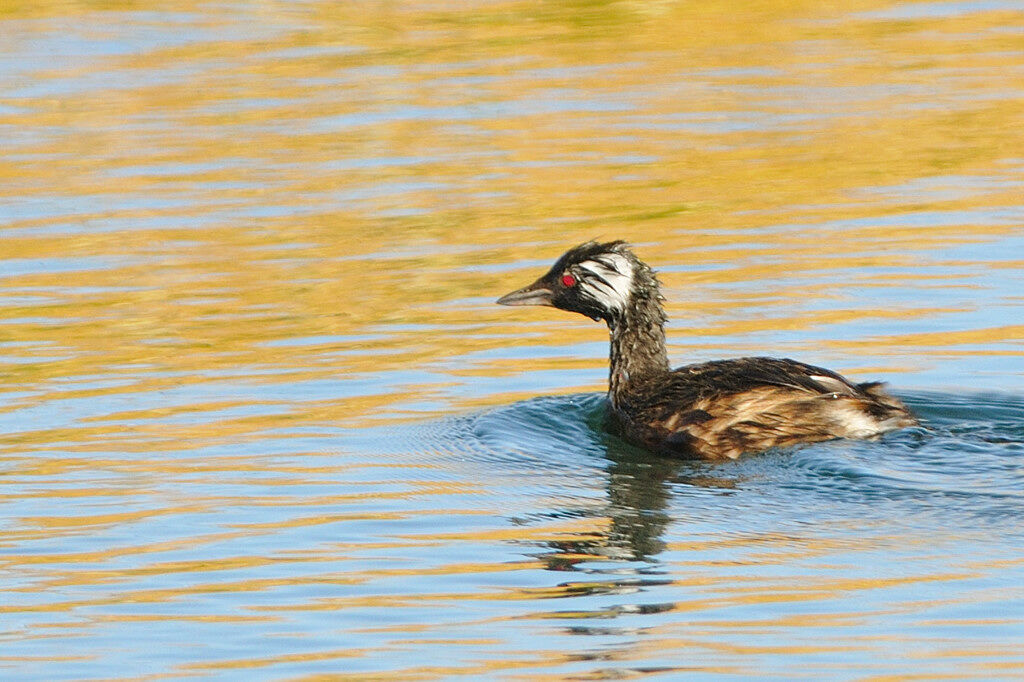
{"points": [[712, 410]]}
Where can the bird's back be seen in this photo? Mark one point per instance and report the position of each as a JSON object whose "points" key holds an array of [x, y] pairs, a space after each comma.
{"points": [[727, 407]]}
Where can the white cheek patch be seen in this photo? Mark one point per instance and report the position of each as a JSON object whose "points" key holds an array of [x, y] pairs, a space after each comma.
{"points": [[609, 281]]}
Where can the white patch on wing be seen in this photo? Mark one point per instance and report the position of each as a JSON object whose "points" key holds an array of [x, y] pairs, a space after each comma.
{"points": [[611, 280], [832, 385], [857, 423]]}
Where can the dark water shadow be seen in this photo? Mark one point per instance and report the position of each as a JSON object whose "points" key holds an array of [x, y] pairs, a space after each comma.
{"points": [[565, 438]]}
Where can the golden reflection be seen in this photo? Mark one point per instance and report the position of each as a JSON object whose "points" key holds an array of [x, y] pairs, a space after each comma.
{"points": [[225, 229]]}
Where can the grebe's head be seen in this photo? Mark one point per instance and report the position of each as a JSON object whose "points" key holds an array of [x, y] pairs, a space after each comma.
{"points": [[596, 280]]}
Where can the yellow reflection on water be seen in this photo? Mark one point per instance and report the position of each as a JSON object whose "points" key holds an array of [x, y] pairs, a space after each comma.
{"points": [[227, 229]]}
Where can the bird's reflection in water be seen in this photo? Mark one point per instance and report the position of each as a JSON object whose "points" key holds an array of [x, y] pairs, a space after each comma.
{"points": [[639, 487]]}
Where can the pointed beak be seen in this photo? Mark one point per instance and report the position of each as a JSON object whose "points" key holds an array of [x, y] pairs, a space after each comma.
{"points": [[535, 294]]}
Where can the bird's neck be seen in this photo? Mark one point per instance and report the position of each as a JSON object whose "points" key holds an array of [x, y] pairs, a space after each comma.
{"points": [[638, 351]]}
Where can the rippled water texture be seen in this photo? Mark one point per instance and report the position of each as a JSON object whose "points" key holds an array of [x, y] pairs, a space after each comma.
{"points": [[260, 417]]}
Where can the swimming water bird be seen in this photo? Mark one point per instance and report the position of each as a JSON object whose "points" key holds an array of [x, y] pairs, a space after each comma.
{"points": [[712, 410]]}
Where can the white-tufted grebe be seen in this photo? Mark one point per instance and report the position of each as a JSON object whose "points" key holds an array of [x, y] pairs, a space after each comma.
{"points": [[712, 410]]}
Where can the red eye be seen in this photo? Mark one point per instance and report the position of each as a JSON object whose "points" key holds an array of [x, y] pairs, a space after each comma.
{"points": [[568, 280]]}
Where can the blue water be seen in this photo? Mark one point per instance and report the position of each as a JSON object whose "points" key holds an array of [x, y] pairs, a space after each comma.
{"points": [[260, 417], [839, 559], [842, 556]]}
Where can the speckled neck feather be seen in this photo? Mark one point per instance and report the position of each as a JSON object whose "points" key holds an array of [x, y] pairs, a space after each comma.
{"points": [[637, 335]]}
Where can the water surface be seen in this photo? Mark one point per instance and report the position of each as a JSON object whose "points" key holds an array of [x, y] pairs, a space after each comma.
{"points": [[259, 415]]}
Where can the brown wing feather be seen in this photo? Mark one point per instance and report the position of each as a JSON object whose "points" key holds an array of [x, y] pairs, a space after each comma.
{"points": [[729, 407]]}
